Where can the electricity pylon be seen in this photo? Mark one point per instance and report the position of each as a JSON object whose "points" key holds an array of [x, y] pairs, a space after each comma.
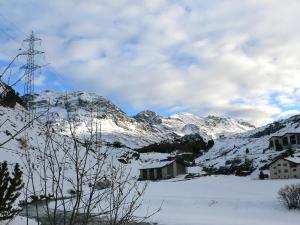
{"points": [[30, 67]]}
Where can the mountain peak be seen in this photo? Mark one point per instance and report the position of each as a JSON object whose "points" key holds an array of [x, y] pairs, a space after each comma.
{"points": [[148, 117]]}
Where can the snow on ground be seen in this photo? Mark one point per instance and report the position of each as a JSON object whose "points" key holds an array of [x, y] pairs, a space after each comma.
{"points": [[18, 220], [219, 200]]}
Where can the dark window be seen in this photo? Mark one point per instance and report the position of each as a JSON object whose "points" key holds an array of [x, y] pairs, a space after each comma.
{"points": [[275, 173], [275, 167], [279, 171], [286, 171], [278, 146], [295, 176], [294, 169], [278, 164], [271, 144], [159, 173], [285, 164], [285, 141], [293, 139], [170, 170], [151, 171], [298, 139], [144, 174], [293, 164]]}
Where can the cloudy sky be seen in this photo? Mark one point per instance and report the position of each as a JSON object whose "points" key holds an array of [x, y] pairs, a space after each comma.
{"points": [[237, 58]]}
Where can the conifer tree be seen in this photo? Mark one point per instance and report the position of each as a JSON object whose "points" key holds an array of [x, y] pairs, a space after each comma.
{"points": [[10, 186]]}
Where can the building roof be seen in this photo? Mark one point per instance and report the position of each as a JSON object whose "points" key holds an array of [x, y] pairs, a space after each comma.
{"points": [[293, 159], [277, 136], [154, 165], [290, 159]]}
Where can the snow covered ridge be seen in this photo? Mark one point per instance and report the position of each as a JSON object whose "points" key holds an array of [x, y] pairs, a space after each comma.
{"points": [[233, 138], [145, 128]]}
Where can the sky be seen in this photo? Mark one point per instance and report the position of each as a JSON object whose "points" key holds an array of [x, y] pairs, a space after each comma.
{"points": [[228, 58]]}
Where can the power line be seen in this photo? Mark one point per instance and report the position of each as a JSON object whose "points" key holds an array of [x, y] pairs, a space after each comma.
{"points": [[9, 65]]}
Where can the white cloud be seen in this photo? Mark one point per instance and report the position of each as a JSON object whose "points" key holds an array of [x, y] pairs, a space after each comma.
{"points": [[202, 56]]}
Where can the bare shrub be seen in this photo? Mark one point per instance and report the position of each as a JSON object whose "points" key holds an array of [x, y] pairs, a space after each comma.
{"points": [[23, 143], [87, 186], [290, 196]]}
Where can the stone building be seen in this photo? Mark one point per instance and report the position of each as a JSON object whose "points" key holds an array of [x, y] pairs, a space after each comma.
{"points": [[285, 168], [162, 170], [285, 141]]}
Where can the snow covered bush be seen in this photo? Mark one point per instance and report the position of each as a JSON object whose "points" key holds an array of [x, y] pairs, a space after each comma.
{"points": [[234, 166], [290, 196], [10, 186]]}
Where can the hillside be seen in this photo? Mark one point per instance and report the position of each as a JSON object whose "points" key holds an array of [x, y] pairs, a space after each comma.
{"points": [[232, 138], [253, 145], [145, 128]]}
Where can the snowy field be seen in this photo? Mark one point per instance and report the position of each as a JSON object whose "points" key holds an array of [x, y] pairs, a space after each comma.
{"points": [[214, 200], [220, 200]]}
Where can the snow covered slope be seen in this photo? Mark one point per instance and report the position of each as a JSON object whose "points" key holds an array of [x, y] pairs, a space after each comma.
{"points": [[253, 144], [143, 129], [233, 138]]}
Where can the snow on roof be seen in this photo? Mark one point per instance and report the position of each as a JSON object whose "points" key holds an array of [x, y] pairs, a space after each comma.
{"points": [[284, 134], [293, 159], [156, 165]]}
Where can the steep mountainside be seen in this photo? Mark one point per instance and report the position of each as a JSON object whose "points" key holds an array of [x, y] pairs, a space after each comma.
{"points": [[143, 129]]}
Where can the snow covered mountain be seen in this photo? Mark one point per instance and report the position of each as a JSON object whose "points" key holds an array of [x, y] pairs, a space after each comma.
{"points": [[145, 128], [232, 138]]}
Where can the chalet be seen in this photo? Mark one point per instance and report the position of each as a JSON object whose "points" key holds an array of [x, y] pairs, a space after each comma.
{"points": [[285, 141], [285, 168], [162, 170]]}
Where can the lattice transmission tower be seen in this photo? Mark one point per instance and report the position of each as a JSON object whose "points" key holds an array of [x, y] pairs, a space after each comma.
{"points": [[30, 67]]}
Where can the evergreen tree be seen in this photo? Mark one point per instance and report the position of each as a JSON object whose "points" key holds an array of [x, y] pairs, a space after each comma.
{"points": [[9, 190]]}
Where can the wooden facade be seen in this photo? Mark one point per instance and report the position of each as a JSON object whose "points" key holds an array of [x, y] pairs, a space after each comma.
{"points": [[162, 170]]}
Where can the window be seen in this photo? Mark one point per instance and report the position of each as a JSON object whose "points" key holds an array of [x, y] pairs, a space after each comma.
{"points": [[275, 173], [279, 164], [298, 139], [293, 164], [271, 144], [278, 146], [279, 171], [151, 174], [159, 173], [295, 176], [285, 141], [293, 139], [275, 167], [286, 171], [294, 169], [144, 174], [285, 164]]}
